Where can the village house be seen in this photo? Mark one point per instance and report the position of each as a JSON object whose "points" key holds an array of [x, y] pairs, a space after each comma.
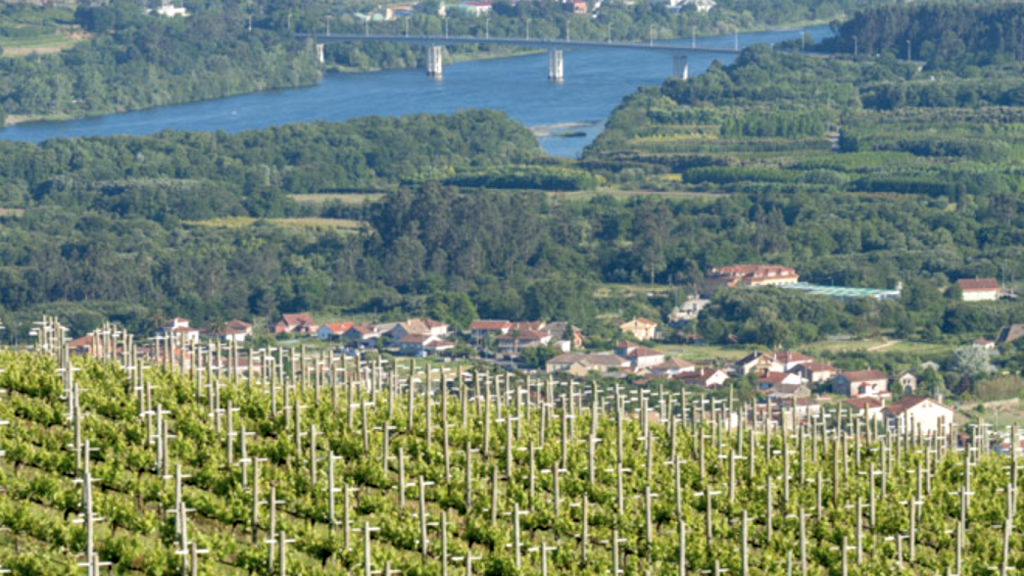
{"points": [[815, 372], [908, 382], [417, 326], [83, 346], [640, 328], [295, 324], [748, 275], [688, 312], [703, 377], [235, 331], [1010, 333], [333, 331], [864, 407], [579, 364], [984, 344], [179, 329], [788, 391], [566, 336], [169, 10], [702, 6], [859, 383], [481, 329], [671, 367], [797, 410], [514, 342], [979, 289], [773, 379], [790, 360], [362, 335], [759, 363], [919, 414], [423, 344], [640, 357]]}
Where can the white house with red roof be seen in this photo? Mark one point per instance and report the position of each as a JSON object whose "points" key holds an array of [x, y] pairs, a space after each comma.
{"points": [[864, 407], [480, 329], [748, 275], [333, 330], [179, 329], [514, 342], [83, 345], [362, 335], [704, 377], [301, 323], [913, 413], [979, 289], [426, 326], [640, 357], [815, 372], [640, 328], [235, 331], [790, 360], [773, 379], [671, 367], [423, 344], [984, 344], [759, 363], [874, 383]]}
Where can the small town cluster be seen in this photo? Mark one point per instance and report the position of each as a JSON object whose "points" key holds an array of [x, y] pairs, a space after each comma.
{"points": [[783, 378]]}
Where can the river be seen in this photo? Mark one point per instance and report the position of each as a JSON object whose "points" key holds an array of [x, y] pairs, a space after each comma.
{"points": [[596, 80]]}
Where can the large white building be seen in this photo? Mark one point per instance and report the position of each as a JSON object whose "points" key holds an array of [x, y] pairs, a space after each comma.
{"points": [[918, 413], [979, 289]]}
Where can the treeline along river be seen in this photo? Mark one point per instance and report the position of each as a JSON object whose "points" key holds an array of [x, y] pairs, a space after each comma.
{"points": [[596, 80]]}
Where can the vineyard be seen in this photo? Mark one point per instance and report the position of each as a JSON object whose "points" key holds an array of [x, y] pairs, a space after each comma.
{"points": [[217, 459]]}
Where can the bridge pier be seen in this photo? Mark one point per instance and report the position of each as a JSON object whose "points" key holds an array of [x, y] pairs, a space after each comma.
{"points": [[320, 53], [435, 61], [556, 67], [681, 67]]}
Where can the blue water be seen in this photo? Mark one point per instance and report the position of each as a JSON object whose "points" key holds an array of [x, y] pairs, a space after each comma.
{"points": [[596, 80]]}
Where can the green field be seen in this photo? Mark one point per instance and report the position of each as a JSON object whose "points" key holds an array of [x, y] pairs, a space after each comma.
{"points": [[342, 198], [43, 43]]}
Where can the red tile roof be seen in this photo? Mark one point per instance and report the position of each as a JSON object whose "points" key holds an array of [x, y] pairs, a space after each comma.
{"points": [[906, 403], [339, 327], [415, 338], [486, 325], [787, 357], [978, 284], [525, 335], [753, 271], [861, 403], [775, 378], [865, 375], [297, 319]]}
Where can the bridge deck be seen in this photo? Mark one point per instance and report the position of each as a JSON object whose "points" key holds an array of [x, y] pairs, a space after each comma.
{"points": [[680, 49]]}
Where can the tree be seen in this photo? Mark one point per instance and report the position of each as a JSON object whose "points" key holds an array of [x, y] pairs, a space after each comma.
{"points": [[455, 308], [972, 362], [955, 292]]}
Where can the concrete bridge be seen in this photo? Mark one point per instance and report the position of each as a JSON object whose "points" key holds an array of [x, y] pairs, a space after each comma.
{"points": [[555, 48]]}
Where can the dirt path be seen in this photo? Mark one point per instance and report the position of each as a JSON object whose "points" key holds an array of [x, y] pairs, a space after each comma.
{"points": [[883, 345]]}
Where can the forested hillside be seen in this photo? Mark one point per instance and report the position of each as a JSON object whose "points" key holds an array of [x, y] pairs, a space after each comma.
{"points": [[945, 34], [135, 60]]}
